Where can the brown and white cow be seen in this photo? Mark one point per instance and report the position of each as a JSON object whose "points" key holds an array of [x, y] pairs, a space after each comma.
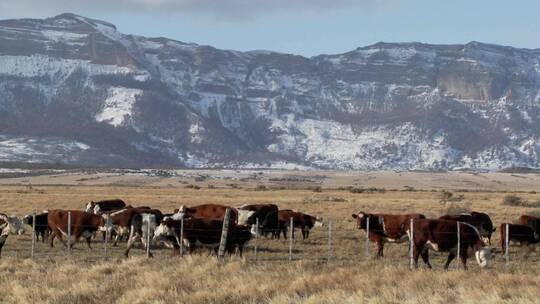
{"points": [[300, 220], [385, 227], [441, 236], [199, 232], [531, 221], [480, 220], [121, 221], [206, 211], [523, 234], [83, 224], [9, 225], [105, 206]]}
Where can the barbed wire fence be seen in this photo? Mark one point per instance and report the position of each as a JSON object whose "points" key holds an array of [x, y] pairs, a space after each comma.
{"points": [[327, 244]]}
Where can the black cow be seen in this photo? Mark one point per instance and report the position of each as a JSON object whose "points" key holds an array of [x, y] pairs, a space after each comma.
{"points": [[42, 227]]}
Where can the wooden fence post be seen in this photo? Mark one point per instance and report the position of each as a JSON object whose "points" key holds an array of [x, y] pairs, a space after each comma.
{"points": [[367, 238], [69, 233], [329, 240], [224, 233], [291, 233], [256, 238], [411, 245], [507, 242], [148, 237], [33, 234], [181, 236], [458, 244]]}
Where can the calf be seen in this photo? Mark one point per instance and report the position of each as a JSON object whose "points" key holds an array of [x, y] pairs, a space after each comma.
{"points": [[83, 224], [300, 220], [105, 206], [523, 234], [441, 236], [480, 220], [41, 226], [385, 227], [9, 225]]}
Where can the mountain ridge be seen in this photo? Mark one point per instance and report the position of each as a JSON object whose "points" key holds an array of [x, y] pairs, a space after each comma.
{"points": [[127, 100]]}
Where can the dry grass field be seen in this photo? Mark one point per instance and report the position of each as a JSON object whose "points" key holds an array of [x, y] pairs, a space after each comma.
{"points": [[93, 276]]}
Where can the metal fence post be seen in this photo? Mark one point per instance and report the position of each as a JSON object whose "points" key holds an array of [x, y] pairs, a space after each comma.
{"points": [[181, 236], [291, 233], [148, 238], [329, 240], [224, 233], [33, 234], [458, 244], [69, 233], [367, 238], [107, 235], [506, 243], [256, 238], [411, 245]]}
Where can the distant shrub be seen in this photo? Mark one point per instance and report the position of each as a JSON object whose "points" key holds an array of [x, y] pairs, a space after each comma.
{"points": [[357, 190], [513, 200], [190, 186], [409, 188], [210, 186], [317, 189], [261, 188]]}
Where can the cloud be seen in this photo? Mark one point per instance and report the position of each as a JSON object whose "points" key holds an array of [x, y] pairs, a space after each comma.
{"points": [[232, 10]]}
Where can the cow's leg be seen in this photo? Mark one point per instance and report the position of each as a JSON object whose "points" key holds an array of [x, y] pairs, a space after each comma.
{"points": [[88, 242], [425, 257], [463, 258], [2, 242], [450, 258], [132, 239], [57, 233], [416, 254], [380, 249]]}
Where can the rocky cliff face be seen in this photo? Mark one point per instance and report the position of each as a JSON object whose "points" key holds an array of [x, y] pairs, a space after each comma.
{"points": [[77, 91]]}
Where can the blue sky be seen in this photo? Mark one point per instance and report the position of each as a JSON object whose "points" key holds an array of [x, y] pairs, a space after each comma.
{"points": [[306, 27]]}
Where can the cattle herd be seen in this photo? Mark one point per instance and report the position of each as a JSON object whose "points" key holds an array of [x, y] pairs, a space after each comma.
{"points": [[185, 227], [201, 226]]}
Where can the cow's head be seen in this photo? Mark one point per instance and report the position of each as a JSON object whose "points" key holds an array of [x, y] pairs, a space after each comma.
{"points": [[244, 216], [318, 222], [90, 207], [164, 230], [360, 219], [14, 225]]}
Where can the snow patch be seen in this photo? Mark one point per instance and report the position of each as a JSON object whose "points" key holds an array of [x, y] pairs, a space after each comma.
{"points": [[118, 105]]}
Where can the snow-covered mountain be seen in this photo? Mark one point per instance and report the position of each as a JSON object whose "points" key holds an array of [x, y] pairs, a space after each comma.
{"points": [[75, 90]]}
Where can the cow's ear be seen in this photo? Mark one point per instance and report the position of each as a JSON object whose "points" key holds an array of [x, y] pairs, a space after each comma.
{"points": [[354, 215]]}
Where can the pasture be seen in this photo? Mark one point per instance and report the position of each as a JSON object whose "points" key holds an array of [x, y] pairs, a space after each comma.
{"points": [[96, 276]]}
